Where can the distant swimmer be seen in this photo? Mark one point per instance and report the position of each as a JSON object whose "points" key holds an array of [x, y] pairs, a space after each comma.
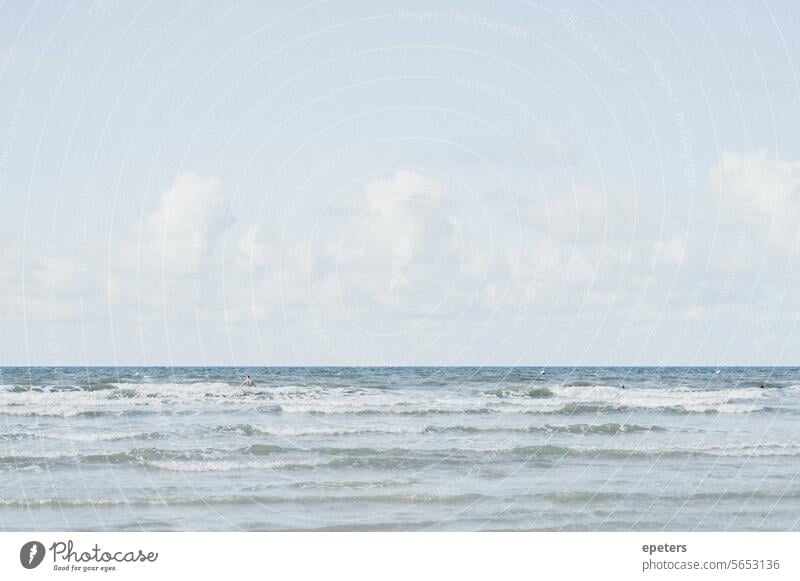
{"points": [[248, 382], [762, 386], [622, 387]]}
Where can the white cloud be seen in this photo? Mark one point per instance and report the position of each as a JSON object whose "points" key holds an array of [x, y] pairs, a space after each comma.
{"points": [[42, 286], [386, 254], [759, 191], [406, 259], [267, 277], [401, 247], [170, 259], [178, 235]]}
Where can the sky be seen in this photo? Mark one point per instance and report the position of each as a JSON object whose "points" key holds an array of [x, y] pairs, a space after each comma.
{"points": [[399, 183]]}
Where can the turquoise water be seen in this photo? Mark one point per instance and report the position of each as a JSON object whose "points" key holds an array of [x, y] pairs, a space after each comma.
{"points": [[400, 449]]}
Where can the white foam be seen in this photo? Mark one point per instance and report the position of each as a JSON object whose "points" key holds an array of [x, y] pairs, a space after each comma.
{"points": [[737, 450], [228, 465], [721, 450], [96, 437], [289, 431], [292, 399], [6, 455]]}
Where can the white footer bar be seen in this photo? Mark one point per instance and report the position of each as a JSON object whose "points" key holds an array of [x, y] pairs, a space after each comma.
{"points": [[371, 556]]}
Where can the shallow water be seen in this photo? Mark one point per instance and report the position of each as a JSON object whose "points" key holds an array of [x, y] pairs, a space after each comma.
{"points": [[400, 449]]}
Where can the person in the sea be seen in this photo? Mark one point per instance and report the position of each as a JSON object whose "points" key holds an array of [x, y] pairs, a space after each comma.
{"points": [[248, 382]]}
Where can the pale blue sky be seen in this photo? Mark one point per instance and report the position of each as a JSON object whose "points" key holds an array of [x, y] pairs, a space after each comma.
{"points": [[399, 183]]}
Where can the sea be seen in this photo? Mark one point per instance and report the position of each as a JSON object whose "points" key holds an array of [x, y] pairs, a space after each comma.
{"points": [[400, 449]]}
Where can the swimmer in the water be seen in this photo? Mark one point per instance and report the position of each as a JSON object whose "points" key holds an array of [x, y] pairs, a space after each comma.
{"points": [[622, 387], [248, 382]]}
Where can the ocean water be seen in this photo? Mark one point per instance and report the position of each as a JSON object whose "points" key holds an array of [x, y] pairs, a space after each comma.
{"points": [[400, 449]]}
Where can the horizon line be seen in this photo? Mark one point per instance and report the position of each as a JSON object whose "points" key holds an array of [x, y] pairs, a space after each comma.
{"points": [[351, 366]]}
